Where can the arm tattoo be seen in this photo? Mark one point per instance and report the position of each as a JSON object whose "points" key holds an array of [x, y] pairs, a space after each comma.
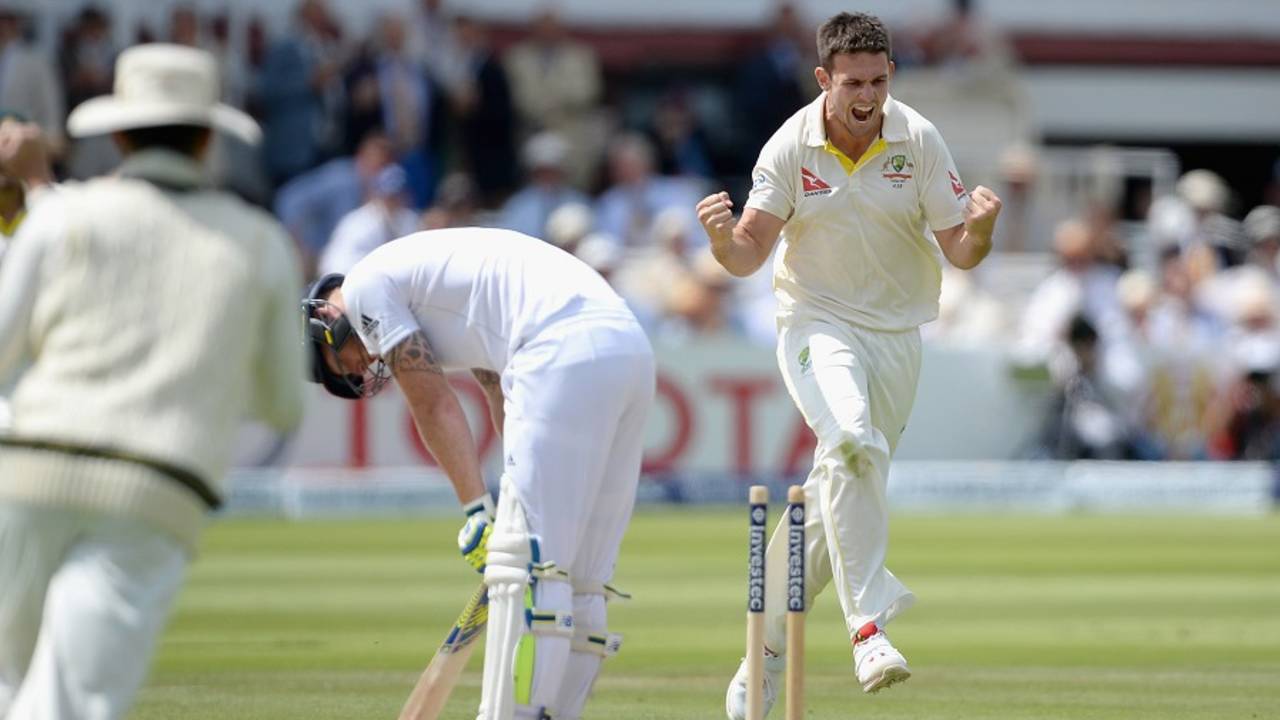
{"points": [[488, 379], [414, 354]]}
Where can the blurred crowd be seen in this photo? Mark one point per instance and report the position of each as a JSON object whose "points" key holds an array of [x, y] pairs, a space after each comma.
{"points": [[1176, 356], [1162, 343]]}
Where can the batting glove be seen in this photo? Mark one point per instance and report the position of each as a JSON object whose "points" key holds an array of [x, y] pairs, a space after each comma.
{"points": [[473, 538]]}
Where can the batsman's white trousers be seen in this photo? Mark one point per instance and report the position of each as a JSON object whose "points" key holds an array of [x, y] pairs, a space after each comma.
{"points": [[83, 598], [855, 388], [577, 399]]}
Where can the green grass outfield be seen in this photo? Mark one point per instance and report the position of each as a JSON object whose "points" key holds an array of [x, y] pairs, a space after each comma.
{"points": [[1018, 617]]}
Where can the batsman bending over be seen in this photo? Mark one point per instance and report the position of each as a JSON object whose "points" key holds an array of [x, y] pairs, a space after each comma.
{"points": [[569, 376]]}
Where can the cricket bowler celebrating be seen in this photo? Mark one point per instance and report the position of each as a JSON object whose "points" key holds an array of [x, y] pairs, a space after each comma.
{"points": [[569, 376], [866, 198]]}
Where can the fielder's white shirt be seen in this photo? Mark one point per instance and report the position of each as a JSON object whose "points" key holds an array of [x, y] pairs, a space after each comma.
{"points": [[478, 294], [857, 242]]}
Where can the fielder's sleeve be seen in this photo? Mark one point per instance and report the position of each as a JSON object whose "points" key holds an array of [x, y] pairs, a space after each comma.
{"points": [[942, 195], [774, 178], [378, 309], [281, 363]]}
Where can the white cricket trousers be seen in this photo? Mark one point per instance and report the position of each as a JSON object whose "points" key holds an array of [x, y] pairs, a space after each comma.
{"points": [[855, 388], [578, 397], [83, 598]]}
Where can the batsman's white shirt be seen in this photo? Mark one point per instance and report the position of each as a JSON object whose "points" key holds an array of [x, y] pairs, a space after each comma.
{"points": [[478, 294], [857, 273], [857, 242]]}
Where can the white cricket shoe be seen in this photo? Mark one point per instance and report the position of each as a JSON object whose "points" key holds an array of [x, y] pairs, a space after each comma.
{"points": [[877, 662], [735, 699]]}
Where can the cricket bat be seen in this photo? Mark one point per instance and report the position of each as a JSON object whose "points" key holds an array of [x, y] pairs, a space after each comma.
{"points": [[442, 673]]}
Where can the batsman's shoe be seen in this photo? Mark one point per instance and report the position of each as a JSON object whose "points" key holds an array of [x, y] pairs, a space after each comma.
{"points": [[878, 663], [735, 700]]}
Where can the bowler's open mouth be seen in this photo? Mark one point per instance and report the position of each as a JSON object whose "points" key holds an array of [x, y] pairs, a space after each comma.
{"points": [[862, 114]]}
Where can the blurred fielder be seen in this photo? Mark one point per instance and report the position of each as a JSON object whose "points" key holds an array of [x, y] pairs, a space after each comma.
{"points": [[569, 377], [866, 198], [151, 312]]}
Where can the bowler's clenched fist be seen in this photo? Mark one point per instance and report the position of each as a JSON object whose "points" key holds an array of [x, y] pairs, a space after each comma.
{"points": [[716, 216], [981, 211], [23, 155]]}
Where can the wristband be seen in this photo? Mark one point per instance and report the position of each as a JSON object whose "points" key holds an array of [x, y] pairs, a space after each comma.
{"points": [[484, 503]]}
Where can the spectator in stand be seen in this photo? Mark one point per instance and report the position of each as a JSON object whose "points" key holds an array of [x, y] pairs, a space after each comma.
{"points": [[1178, 317], [1159, 351], [697, 303], [1164, 369], [1195, 216], [301, 91], [556, 85], [28, 84], [1022, 216], [233, 163], [627, 209], [485, 115], [387, 88], [545, 156], [681, 143], [569, 225], [1080, 286], [87, 57], [968, 315], [1219, 292], [256, 45], [777, 79], [601, 254], [965, 38], [645, 280], [311, 204], [1262, 228], [1086, 418], [1256, 320], [435, 45], [185, 29], [1245, 420], [385, 217], [454, 206], [232, 60], [184, 26]]}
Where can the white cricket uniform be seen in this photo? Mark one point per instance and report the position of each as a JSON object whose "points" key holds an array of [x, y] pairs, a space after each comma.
{"points": [[857, 273], [578, 380], [143, 315]]}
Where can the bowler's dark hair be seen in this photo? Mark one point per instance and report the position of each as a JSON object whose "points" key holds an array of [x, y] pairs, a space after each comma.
{"points": [[852, 33], [185, 139]]}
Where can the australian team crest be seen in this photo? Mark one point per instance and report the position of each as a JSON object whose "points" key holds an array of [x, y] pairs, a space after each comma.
{"points": [[897, 170]]}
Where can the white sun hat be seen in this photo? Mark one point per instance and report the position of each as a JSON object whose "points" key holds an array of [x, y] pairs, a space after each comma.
{"points": [[161, 84]]}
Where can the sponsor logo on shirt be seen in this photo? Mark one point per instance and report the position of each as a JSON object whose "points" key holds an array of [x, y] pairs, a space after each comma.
{"points": [[813, 185], [898, 170], [806, 363], [957, 187]]}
